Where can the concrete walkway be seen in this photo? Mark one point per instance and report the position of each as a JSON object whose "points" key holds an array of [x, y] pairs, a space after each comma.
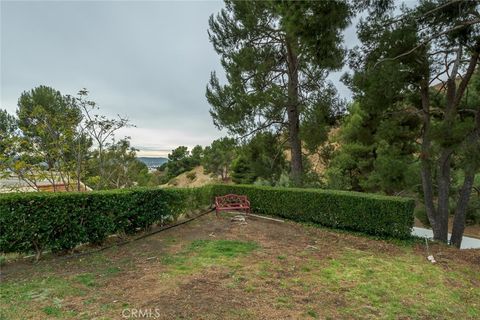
{"points": [[467, 242]]}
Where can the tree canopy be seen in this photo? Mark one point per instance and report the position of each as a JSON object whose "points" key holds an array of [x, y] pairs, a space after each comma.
{"points": [[276, 57]]}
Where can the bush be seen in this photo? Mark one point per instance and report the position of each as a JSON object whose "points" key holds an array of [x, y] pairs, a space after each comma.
{"points": [[191, 175], [34, 222], [60, 221], [368, 213]]}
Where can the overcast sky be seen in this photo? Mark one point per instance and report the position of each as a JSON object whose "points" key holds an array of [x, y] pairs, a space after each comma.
{"points": [[149, 61]]}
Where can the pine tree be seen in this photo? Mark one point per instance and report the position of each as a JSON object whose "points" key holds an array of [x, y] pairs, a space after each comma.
{"points": [[276, 57]]}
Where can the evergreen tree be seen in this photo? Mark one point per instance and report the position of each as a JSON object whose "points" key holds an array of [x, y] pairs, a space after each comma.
{"points": [[261, 157], [242, 171], [429, 53], [276, 56], [218, 157], [375, 153]]}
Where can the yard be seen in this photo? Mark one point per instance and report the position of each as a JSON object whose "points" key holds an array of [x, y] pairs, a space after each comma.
{"points": [[213, 268]]}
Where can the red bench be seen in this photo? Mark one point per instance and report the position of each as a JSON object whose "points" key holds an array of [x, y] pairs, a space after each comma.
{"points": [[231, 202]]}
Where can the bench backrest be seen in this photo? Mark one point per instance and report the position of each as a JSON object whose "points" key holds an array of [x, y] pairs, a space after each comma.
{"points": [[229, 199]]}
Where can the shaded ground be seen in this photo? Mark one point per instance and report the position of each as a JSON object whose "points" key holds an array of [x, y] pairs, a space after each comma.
{"points": [[217, 269]]}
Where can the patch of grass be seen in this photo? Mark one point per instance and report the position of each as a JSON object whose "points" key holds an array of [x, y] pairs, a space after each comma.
{"points": [[283, 302], [312, 313], [111, 271], [203, 253], [37, 290], [52, 311], [17, 298], [240, 314], [387, 286], [87, 279]]}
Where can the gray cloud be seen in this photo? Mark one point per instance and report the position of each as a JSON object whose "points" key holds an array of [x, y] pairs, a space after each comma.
{"points": [[149, 61]]}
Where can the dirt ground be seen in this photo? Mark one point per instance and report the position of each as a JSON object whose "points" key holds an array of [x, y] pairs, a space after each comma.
{"points": [[276, 281]]}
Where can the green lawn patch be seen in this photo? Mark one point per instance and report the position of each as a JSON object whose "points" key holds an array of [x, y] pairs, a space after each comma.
{"points": [[203, 253], [387, 286]]}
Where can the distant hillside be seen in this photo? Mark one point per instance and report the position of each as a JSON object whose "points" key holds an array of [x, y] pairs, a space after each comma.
{"points": [[193, 178], [153, 162]]}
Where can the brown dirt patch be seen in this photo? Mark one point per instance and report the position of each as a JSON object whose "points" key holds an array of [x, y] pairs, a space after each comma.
{"points": [[264, 284]]}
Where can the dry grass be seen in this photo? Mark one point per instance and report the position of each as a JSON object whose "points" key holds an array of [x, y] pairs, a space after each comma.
{"points": [[216, 269]]}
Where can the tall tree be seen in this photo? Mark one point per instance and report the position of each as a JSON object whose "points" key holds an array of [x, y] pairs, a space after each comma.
{"points": [[276, 56], [431, 51], [48, 121]]}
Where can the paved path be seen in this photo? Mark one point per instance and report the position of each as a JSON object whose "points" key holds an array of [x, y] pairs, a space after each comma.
{"points": [[467, 242]]}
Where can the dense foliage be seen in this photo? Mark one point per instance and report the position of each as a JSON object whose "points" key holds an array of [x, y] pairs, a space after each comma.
{"points": [[34, 222], [417, 65], [276, 57], [368, 213], [262, 157]]}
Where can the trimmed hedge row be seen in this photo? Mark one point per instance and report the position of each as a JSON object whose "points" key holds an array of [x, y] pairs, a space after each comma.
{"points": [[33, 222], [369, 213]]}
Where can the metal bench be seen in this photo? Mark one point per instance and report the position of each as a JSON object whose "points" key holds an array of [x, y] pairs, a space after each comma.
{"points": [[232, 202]]}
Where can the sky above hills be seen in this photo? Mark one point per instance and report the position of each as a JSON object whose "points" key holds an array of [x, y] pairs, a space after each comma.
{"points": [[149, 61]]}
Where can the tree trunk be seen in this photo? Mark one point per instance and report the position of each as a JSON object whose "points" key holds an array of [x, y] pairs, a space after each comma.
{"points": [[440, 232], [461, 210], [101, 183], [293, 116], [465, 191], [425, 156]]}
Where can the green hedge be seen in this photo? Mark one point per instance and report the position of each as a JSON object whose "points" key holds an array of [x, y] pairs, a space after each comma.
{"points": [[368, 213], [33, 222]]}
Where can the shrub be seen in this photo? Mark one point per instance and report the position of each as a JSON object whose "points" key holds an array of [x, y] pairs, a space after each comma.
{"points": [[191, 175], [60, 221], [368, 213]]}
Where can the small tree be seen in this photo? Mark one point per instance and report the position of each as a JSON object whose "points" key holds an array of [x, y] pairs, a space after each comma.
{"points": [[100, 129], [218, 157]]}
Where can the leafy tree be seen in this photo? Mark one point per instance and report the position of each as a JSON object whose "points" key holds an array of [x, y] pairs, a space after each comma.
{"points": [[276, 56], [121, 165], [48, 121], [100, 129], [197, 155], [219, 156], [404, 55], [8, 128]]}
